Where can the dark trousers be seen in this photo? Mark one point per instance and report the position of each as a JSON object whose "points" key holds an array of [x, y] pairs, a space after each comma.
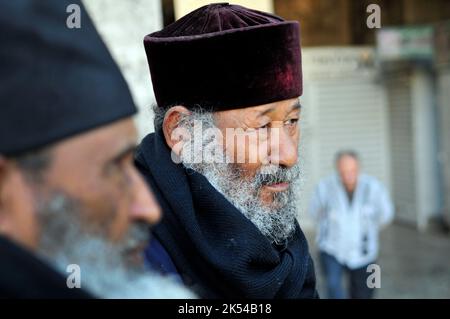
{"points": [[334, 271]]}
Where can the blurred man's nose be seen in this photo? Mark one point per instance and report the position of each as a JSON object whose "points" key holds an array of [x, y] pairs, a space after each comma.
{"points": [[284, 148], [144, 206]]}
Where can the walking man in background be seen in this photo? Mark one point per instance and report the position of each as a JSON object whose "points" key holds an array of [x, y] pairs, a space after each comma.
{"points": [[349, 208]]}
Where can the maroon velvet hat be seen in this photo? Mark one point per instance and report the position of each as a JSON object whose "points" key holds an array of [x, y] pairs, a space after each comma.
{"points": [[224, 56]]}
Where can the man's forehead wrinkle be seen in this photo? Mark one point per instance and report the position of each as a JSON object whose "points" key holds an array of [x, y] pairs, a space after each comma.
{"points": [[266, 109], [123, 136], [236, 118]]}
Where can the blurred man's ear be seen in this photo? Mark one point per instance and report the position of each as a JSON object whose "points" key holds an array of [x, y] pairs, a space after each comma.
{"points": [[3, 173], [172, 133], [3, 168]]}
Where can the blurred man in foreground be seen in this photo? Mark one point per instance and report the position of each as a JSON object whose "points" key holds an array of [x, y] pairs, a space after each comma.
{"points": [[70, 196], [349, 208]]}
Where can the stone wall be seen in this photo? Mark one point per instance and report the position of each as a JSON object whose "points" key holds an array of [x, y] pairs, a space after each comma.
{"points": [[123, 25]]}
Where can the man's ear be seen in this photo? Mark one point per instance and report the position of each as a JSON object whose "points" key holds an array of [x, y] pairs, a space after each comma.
{"points": [[172, 132]]}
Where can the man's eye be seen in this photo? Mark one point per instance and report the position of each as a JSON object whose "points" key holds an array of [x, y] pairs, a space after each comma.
{"points": [[291, 122], [264, 126], [118, 166]]}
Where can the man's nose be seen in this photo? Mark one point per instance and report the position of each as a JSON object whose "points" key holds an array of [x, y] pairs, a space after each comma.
{"points": [[144, 206], [284, 148]]}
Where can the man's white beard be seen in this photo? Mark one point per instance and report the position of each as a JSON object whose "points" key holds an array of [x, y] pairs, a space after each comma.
{"points": [[105, 271], [276, 220]]}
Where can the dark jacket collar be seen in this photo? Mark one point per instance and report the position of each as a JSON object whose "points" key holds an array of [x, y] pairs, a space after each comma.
{"points": [[23, 275]]}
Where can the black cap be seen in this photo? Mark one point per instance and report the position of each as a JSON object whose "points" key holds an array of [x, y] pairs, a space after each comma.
{"points": [[55, 82]]}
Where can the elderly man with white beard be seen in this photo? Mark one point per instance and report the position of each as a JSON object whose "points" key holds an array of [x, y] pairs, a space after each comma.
{"points": [[74, 211], [223, 160]]}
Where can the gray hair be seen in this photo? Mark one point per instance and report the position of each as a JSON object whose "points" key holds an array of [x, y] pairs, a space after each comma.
{"points": [[159, 112], [351, 153], [158, 116], [34, 163]]}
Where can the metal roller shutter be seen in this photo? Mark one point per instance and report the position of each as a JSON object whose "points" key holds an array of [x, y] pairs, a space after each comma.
{"points": [[402, 146], [344, 108]]}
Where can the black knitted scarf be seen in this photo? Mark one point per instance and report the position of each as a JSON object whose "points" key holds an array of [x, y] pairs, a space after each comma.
{"points": [[219, 252]]}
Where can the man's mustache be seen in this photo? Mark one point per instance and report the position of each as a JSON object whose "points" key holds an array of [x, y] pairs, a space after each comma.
{"points": [[277, 174], [137, 236]]}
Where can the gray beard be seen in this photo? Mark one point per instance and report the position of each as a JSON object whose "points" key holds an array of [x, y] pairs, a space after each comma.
{"points": [[276, 221], [105, 270]]}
